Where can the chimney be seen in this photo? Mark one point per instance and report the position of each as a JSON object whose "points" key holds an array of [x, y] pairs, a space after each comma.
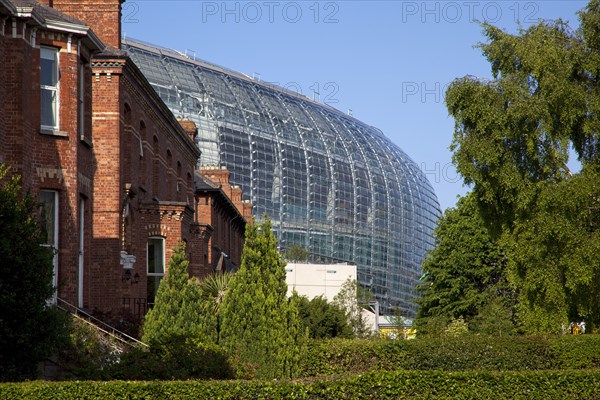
{"points": [[103, 16], [247, 210], [189, 127]]}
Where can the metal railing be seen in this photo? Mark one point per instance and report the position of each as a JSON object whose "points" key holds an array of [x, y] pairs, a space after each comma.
{"points": [[98, 324], [137, 306]]}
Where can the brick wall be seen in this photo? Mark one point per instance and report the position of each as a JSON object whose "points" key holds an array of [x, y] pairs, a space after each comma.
{"points": [[224, 211], [3, 93], [103, 16]]}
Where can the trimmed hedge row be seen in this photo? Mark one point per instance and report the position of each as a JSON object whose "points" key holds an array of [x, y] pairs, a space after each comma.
{"points": [[546, 385], [462, 353]]}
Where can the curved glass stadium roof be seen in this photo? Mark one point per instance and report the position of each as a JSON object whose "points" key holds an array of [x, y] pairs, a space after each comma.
{"points": [[329, 182]]}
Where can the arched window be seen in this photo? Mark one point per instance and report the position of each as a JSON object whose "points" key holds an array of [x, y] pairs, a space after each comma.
{"points": [[179, 189], [169, 192], [155, 166], [190, 189], [127, 116], [143, 162]]}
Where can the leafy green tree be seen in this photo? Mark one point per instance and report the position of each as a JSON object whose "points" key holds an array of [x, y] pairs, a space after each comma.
{"points": [[557, 256], [260, 325], [30, 330], [512, 133], [322, 318], [178, 305], [465, 270], [512, 141], [347, 299]]}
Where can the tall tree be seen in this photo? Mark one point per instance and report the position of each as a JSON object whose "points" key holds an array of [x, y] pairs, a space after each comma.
{"points": [[178, 305], [512, 140], [30, 329], [465, 271], [259, 323]]}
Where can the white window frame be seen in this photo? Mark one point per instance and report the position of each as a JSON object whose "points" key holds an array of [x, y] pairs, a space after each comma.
{"points": [[53, 88], [55, 235], [160, 275]]}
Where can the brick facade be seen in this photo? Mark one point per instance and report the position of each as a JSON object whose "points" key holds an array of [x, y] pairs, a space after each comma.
{"points": [[143, 186], [121, 166], [221, 217]]}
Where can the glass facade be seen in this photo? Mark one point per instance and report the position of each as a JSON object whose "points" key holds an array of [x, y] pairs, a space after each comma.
{"points": [[329, 182]]}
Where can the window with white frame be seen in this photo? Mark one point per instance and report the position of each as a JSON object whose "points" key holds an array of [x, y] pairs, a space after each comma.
{"points": [[156, 266], [49, 96], [49, 213]]}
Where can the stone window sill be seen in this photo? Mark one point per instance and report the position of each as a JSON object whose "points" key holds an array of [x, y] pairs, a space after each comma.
{"points": [[53, 132]]}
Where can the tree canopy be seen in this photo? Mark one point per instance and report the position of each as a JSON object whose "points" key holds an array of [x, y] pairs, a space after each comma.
{"points": [[513, 138], [465, 271]]}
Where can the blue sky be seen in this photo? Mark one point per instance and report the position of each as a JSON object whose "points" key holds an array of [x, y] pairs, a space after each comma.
{"points": [[387, 61]]}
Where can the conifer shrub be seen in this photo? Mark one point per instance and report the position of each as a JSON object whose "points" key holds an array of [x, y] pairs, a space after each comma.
{"points": [[260, 326]]}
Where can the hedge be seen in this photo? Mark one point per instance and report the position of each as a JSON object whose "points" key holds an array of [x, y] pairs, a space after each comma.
{"points": [[546, 385], [462, 353]]}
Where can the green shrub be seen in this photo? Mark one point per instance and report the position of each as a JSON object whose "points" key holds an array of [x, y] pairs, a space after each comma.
{"points": [[177, 358], [88, 351], [546, 385], [351, 356], [461, 353], [577, 351]]}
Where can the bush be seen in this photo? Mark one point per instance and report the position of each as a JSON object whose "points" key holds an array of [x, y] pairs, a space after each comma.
{"points": [[546, 385], [88, 351], [461, 353], [177, 358], [351, 356]]}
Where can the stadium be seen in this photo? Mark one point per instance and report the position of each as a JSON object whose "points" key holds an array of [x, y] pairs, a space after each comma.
{"points": [[329, 182]]}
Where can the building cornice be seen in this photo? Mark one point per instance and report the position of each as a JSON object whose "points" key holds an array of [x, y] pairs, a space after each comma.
{"points": [[35, 17]]}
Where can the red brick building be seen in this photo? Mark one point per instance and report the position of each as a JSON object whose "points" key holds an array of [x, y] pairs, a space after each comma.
{"points": [[221, 217], [113, 167]]}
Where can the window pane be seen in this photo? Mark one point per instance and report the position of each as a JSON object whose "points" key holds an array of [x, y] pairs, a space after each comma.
{"points": [[155, 256], [48, 74], [48, 200], [153, 282], [48, 104]]}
